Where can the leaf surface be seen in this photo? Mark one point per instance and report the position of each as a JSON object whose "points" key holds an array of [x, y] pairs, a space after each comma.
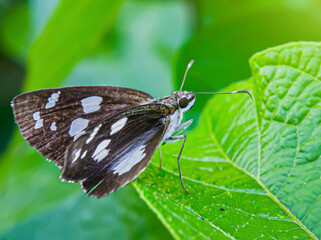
{"points": [[252, 168]]}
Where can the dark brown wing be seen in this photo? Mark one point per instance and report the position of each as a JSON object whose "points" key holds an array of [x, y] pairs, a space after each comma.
{"points": [[51, 119], [113, 153]]}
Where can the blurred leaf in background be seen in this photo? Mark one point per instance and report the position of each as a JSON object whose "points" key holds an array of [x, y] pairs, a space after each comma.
{"points": [[141, 56], [12, 75], [15, 33], [67, 38], [123, 215], [19, 23], [229, 32], [14, 24]]}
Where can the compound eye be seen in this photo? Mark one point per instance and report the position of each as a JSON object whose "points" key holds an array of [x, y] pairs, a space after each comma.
{"points": [[183, 102]]}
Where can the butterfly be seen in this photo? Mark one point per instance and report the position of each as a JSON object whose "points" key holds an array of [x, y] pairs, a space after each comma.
{"points": [[102, 136]]}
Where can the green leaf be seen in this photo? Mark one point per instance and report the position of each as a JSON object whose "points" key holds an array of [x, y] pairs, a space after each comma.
{"points": [[230, 32], [147, 55], [259, 161], [12, 41], [74, 29], [88, 218]]}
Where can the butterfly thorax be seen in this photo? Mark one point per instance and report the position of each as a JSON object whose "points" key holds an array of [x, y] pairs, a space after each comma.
{"points": [[179, 102]]}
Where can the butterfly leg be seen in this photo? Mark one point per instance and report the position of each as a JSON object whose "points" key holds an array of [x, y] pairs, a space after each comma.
{"points": [[182, 127], [176, 138], [160, 158]]}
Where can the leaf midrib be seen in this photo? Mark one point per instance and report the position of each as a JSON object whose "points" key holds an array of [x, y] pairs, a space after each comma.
{"points": [[188, 209], [193, 180], [257, 179], [292, 67], [180, 205]]}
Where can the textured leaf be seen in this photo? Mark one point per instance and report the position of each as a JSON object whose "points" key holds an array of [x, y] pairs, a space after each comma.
{"points": [[252, 168], [71, 33]]}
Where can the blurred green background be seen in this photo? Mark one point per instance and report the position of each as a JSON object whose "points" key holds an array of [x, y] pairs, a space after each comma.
{"points": [[140, 44]]}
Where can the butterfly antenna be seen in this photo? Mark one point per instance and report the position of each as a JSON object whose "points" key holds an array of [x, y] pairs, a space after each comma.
{"points": [[186, 71], [213, 93]]}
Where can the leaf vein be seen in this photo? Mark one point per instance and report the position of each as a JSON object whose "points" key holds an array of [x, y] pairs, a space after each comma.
{"points": [[274, 198], [195, 213]]}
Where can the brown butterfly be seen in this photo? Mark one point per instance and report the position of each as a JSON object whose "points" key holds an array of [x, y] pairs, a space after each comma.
{"points": [[102, 136]]}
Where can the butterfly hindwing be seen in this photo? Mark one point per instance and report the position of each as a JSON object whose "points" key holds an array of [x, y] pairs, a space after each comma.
{"points": [[115, 151], [51, 119]]}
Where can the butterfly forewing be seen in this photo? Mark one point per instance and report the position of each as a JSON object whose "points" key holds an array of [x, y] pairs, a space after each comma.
{"points": [[51, 119], [115, 151]]}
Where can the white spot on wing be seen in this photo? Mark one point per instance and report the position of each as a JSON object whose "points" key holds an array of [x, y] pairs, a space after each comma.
{"points": [[129, 160], [52, 100], [117, 126], [53, 126], [84, 154], [76, 154], [39, 124], [101, 146], [91, 104], [36, 116], [93, 134], [101, 151], [100, 156], [39, 121], [77, 126], [78, 135], [50, 105]]}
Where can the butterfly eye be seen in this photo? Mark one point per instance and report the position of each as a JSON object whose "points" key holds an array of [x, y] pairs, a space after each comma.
{"points": [[183, 102]]}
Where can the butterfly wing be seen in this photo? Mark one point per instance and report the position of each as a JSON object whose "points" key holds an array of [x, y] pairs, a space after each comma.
{"points": [[51, 119], [114, 152]]}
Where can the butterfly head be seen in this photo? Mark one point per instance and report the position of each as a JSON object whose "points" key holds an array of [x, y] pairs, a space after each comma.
{"points": [[189, 102], [185, 100]]}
